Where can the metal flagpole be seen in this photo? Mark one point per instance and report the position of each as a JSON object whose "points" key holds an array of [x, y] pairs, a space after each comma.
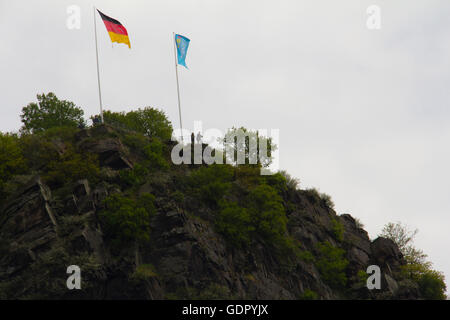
{"points": [[98, 68], [178, 86]]}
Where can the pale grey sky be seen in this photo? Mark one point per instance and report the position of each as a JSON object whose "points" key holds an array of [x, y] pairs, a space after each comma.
{"points": [[363, 114]]}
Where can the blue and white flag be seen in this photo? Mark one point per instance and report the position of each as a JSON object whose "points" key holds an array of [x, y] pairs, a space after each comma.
{"points": [[182, 48]]}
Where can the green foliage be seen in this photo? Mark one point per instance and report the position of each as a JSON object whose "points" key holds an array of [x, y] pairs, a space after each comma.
{"points": [[309, 295], [267, 213], [261, 216], [154, 153], [241, 141], [277, 181], [149, 121], [144, 272], [62, 133], [211, 183], [317, 197], [404, 238], [72, 166], [305, 256], [313, 195], [326, 199], [432, 285], [431, 282], [338, 229], [247, 176], [11, 158], [234, 222], [127, 220], [178, 197], [362, 277], [134, 177], [136, 142], [291, 182], [37, 150], [150, 149], [50, 112], [331, 264]]}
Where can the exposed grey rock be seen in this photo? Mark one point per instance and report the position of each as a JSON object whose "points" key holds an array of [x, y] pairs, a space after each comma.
{"points": [[111, 152], [386, 254]]}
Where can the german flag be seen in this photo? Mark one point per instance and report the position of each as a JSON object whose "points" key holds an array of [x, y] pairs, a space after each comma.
{"points": [[116, 30]]}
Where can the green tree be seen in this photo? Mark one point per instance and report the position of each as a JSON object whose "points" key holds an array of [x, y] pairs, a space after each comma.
{"points": [[432, 285], [50, 112], [149, 121], [431, 282], [404, 238], [243, 146]]}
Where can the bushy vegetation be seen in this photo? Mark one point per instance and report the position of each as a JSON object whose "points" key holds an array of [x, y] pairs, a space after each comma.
{"points": [[12, 160], [338, 229], [431, 282], [211, 183], [317, 197], [260, 216], [309, 295], [235, 223], [72, 166], [50, 112], [331, 264], [248, 144], [144, 272], [277, 181], [148, 121], [291, 182], [127, 220]]}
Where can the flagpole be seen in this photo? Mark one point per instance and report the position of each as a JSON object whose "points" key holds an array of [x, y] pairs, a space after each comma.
{"points": [[98, 68], [178, 86]]}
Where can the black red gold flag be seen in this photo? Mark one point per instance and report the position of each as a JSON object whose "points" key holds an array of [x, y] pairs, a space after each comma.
{"points": [[116, 30]]}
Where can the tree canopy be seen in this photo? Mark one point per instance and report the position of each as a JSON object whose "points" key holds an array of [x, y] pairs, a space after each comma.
{"points": [[431, 282], [243, 146], [149, 121], [50, 112]]}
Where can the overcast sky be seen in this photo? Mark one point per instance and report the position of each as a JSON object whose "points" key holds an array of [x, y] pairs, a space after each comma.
{"points": [[363, 114]]}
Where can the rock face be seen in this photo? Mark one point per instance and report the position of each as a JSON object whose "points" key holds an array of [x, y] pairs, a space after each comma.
{"points": [[44, 231], [111, 151], [186, 251]]}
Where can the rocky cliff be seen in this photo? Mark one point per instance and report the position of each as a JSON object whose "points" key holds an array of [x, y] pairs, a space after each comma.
{"points": [[47, 226]]}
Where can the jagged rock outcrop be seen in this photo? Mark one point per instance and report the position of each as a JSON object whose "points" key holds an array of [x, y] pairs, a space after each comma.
{"points": [[43, 231], [186, 250]]}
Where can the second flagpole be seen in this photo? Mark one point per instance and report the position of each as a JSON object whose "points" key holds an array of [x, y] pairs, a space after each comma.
{"points": [[178, 85]]}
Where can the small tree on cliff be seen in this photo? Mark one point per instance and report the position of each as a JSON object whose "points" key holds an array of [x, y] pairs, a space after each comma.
{"points": [[50, 112], [431, 282]]}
